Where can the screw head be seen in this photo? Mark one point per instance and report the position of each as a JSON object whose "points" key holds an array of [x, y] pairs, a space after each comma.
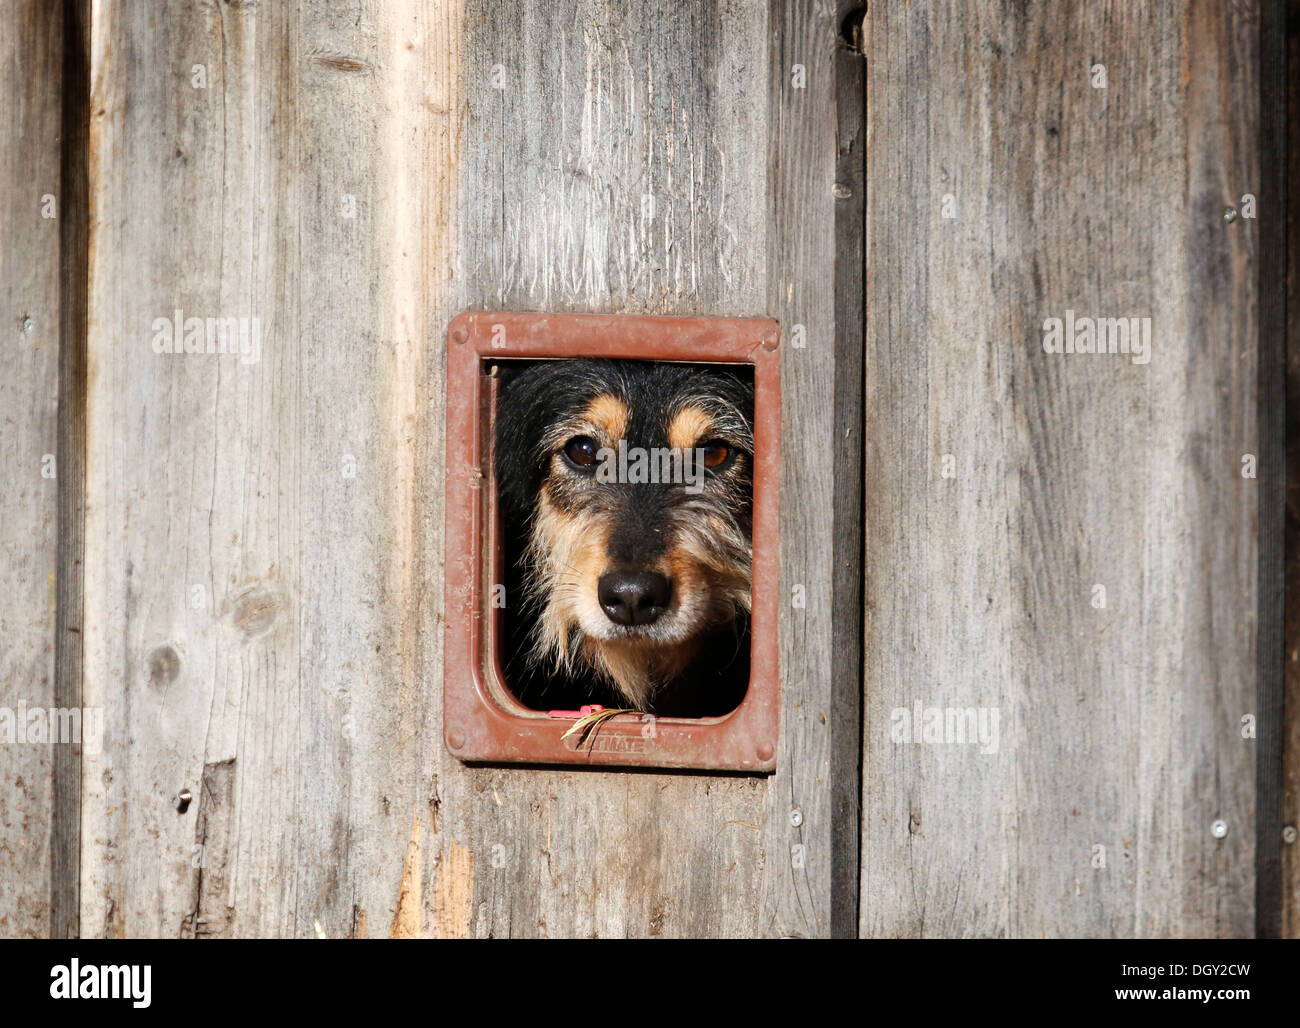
{"points": [[796, 817], [1219, 829], [1289, 835], [1229, 214]]}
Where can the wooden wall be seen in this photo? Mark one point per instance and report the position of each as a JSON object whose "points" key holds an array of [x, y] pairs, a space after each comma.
{"points": [[263, 607], [263, 538], [1120, 726]]}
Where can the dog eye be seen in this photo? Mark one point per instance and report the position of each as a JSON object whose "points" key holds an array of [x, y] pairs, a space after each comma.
{"points": [[716, 453], [581, 450]]}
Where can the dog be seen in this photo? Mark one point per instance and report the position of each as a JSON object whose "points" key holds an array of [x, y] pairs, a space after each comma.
{"points": [[626, 502]]}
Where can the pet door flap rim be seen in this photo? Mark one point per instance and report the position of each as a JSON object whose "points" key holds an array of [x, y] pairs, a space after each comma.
{"points": [[476, 727]]}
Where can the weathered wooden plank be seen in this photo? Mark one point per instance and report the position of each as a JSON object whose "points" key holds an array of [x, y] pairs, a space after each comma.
{"points": [[258, 525], [815, 289], [614, 160], [1005, 484], [1285, 48], [74, 245], [191, 513], [1271, 275], [618, 163], [846, 533], [258, 621], [387, 135], [31, 42]]}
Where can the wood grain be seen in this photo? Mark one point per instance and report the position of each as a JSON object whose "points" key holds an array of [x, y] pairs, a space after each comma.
{"points": [[31, 39], [69, 654], [256, 528], [815, 290], [620, 167], [1285, 48], [849, 430], [1119, 726]]}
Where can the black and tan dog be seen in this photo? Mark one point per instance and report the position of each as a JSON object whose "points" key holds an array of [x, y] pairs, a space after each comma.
{"points": [[626, 492]]}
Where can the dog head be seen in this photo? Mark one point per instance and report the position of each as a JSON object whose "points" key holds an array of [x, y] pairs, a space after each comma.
{"points": [[630, 486]]}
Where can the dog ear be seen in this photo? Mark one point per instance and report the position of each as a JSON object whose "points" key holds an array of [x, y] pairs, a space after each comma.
{"points": [[736, 385], [524, 392], [511, 458]]}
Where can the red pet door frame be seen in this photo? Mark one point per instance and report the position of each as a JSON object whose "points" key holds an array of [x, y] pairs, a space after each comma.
{"points": [[482, 721]]}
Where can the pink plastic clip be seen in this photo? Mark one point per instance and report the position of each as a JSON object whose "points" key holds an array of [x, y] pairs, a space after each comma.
{"points": [[589, 708]]}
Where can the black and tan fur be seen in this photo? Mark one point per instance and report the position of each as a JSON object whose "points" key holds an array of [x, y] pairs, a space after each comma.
{"points": [[581, 551]]}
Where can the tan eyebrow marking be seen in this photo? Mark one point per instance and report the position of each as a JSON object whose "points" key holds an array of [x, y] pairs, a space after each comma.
{"points": [[609, 414], [689, 426]]}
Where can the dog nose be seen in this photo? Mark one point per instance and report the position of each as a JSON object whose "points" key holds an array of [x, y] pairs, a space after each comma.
{"points": [[633, 597]]}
